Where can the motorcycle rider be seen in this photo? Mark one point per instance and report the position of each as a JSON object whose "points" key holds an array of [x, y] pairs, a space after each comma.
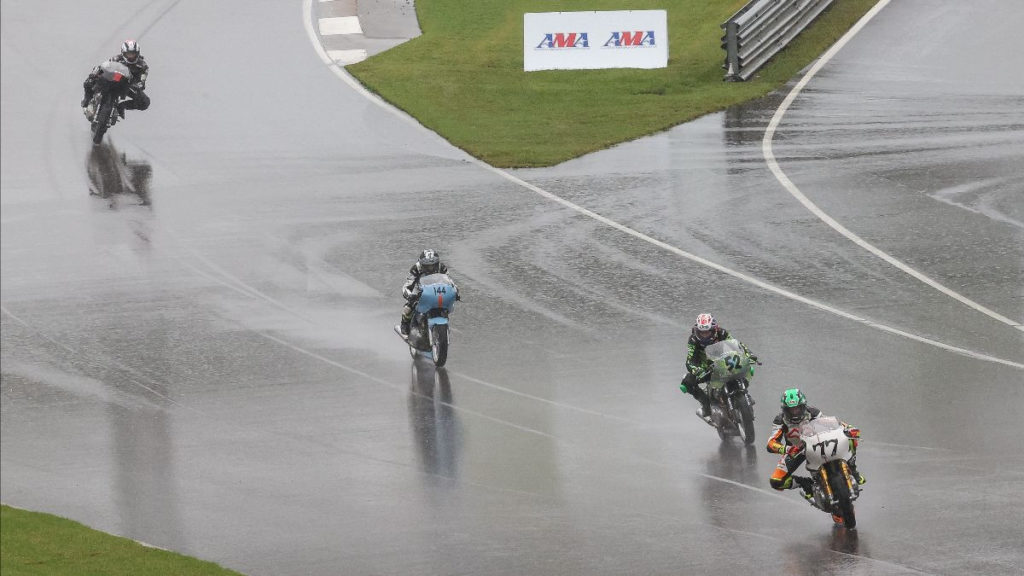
{"points": [[130, 57], [428, 262], [704, 333], [785, 440]]}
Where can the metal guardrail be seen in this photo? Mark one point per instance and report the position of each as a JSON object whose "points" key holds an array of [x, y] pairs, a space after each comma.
{"points": [[762, 28]]}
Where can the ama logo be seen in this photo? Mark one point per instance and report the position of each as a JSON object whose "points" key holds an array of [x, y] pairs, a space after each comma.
{"points": [[564, 40], [630, 39]]}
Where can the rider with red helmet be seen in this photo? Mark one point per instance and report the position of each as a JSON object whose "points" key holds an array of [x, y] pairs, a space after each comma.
{"points": [[704, 333]]}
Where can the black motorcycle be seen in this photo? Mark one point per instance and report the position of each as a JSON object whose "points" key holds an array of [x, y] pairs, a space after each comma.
{"points": [[113, 86]]}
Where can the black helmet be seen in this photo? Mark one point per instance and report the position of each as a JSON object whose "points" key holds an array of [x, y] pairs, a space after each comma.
{"points": [[429, 262], [130, 51]]}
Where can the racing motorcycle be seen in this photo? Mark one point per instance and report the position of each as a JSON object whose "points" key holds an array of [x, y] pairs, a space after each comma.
{"points": [[828, 450], [732, 408], [429, 333], [113, 86]]}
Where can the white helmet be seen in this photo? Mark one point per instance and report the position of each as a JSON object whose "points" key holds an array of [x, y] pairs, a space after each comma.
{"points": [[130, 51], [704, 328]]}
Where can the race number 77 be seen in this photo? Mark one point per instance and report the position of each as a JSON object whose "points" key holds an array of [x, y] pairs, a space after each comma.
{"points": [[820, 446]]}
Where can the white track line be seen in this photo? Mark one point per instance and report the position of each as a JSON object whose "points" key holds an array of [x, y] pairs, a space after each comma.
{"points": [[352, 82], [773, 165]]}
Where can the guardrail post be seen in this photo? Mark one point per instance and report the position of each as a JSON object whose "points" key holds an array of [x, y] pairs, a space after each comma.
{"points": [[732, 52]]}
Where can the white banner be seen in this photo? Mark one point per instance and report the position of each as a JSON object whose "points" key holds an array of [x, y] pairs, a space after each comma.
{"points": [[589, 40]]}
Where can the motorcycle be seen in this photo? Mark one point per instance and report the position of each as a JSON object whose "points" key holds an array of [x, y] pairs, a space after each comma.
{"points": [[732, 408], [429, 333], [828, 450], [112, 87]]}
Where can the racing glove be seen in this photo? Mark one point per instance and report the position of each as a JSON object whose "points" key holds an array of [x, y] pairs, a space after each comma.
{"points": [[793, 451]]}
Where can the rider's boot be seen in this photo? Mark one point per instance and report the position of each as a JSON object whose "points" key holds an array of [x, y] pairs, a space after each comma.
{"points": [[705, 402], [806, 487], [404, 326], [861, 480]]}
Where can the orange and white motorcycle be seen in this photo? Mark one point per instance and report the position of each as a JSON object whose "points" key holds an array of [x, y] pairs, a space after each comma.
{"points": [[828, 450]]}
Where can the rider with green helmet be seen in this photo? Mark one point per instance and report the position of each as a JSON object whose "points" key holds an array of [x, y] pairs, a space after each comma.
{"points": [[785, 440]]}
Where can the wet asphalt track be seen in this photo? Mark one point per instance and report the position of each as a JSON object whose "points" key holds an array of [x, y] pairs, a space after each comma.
{"points": [[197, 346]]}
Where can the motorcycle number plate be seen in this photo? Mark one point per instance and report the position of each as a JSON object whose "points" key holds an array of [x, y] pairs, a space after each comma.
{"points": [[826, 447]]}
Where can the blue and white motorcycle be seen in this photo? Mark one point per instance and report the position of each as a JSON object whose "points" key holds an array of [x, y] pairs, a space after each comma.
{"points": [[429, 333]]}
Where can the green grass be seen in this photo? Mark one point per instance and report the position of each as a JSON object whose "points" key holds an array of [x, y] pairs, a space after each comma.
{"points": [[464, 77], [32, 543]]}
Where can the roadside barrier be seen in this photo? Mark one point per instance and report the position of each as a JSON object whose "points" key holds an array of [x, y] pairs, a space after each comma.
{"points": [[762, 28]]}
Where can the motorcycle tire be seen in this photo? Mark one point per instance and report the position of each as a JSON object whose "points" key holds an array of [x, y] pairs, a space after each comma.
{"points": [[100, 122], [439, 344], [844, 505], [746, 421], [846, 511]]}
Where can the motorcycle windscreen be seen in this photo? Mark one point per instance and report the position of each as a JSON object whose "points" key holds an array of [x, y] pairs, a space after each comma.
{"points": [[728, 361], [115, 72], [825, 441], [438, 292]]}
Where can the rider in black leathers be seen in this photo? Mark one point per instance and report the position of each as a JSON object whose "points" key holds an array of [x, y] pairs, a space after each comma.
{"points": [[429, 262], [137, 65], [704, 333]]}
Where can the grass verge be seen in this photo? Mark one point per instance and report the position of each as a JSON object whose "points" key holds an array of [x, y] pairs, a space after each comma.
{"points": [[32, 543], [464, 78]]}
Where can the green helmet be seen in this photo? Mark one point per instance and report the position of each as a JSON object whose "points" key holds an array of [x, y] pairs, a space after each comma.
{"points": [[794, 406]]}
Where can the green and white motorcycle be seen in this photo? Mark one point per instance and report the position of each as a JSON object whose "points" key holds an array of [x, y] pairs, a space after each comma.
{"points": [[732, 408]]}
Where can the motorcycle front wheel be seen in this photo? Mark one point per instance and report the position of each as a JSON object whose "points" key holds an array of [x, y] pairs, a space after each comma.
{"points": [[439, 344], [99, 123], [746, 419], [841, 489], [846, 511]]}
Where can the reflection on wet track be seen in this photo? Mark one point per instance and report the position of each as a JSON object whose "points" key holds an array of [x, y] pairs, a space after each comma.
{"points": [[112, 175], [198, 353], [433, 419]]}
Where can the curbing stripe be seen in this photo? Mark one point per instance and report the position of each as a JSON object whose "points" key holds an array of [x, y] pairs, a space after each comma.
{"points": [[340, 25], [346, 57]]}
